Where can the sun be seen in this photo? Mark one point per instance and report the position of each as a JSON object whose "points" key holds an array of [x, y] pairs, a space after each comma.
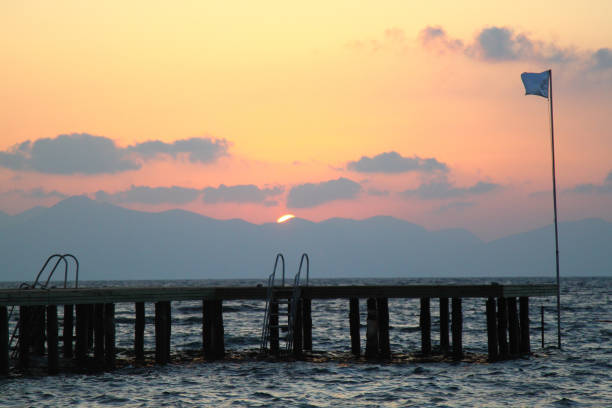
{"points": [[285, 218]]}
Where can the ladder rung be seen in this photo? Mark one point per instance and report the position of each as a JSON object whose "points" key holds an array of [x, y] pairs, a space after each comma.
{"points": [[278, 326]]}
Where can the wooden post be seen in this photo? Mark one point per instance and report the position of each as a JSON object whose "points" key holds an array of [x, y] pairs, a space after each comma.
{"points": [[139, 331], [502, 326], [274, 329], [218, 338], [354, 325], [82, 332], [307, 323], [444, 320], [513, 326], [457, 328], [525, 347], [372, 330], [68, 330], [37, 340], [425, 323], [382, 309], [4, 341], [492, 329], [52, 343], [207, 329], [168, 311], [24, 337], [298, 341], [109, 335], [98, 325], [162, 332]]}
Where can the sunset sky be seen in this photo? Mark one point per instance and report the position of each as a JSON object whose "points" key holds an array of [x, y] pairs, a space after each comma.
{"points": [[251, 110]]}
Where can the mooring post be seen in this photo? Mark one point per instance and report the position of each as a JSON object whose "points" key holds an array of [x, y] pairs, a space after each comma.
{"points": [[502, 326], [457, 327], [382, 312], [67, 330], [298, 341], [371, 350], [492, 329], [24, 337], [82, 332], [98, 324], [425, 323], [354, 326], [52, 343], [4, 341], [525, 347], [139, 327], [513, 326], [444, 321], [274, 329], [109, 335], [307, 323]]}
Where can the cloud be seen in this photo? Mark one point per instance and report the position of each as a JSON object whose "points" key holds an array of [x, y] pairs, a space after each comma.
{"points": [[378, 193], [436, 38], [496, 44], [88, 154], [455, 206], [151, 195], [69, 154], [393, 162], [589, 188], [198, 150], [35, 193], [601, 60], [393, 39], [311, 195], [442, 189], [241, 194]]}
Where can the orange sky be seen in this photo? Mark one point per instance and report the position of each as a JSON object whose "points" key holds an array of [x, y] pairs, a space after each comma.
{"points": [[299, 92]]}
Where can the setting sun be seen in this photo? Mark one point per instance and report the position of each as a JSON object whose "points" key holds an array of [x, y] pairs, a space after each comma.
{"points": [[284, 218]]}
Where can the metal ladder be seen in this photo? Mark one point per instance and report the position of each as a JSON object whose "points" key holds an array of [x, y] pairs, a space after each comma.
{"points": [[290, 305], [38, 285]]}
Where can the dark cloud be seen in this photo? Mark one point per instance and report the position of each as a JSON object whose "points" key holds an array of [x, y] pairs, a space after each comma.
{"points": [[497, 44], [198, 150], [311, 195], [378, 193], [442, 188], [36, 193], [601, 59], [241, 194], [393, 162], [88, 154], [589, 188], [151, 195], [69, 154]]}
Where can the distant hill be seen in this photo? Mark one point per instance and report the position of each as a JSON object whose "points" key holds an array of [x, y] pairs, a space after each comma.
{"points": [[116, 243]]}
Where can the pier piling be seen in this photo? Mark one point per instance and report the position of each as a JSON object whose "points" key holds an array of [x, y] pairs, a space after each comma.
{"points": [[274, 328], [457, 327], [24, 337], [425, 324], [525, 347], [371, 350], [307, 323], [82, 332], [52, 341], [109, 335], [513, 326], [492, 330], [139, 327], [444, 321], [502, 326], [162, 332], [354, 325], [68, 328], [298, 339], [98, 324], [4, 341], [382, 309]]}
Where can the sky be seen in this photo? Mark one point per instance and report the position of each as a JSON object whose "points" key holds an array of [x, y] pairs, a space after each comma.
{"points": [[252, 110]]}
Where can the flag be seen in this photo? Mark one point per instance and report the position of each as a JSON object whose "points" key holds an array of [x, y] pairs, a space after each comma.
{"points": [[536, 84]]}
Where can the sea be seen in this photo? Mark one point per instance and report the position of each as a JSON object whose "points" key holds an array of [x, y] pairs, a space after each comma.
{"points": [[577, 375]]}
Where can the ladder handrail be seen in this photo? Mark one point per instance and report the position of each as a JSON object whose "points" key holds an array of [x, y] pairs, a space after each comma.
{"points": [[59, 259], [265, 330], [304, 256]]}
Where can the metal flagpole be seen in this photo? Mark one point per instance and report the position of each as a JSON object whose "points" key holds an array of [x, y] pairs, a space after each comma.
{"points": [[552, 143]]}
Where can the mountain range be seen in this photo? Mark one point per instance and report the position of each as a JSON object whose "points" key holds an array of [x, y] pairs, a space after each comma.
{"points": [[114, 243]]}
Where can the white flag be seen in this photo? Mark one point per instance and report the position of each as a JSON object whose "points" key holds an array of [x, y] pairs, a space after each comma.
{"points": [[536, 84]]}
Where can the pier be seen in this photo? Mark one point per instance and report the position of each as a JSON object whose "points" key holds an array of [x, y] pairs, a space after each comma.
{"points": [[88, 323]]}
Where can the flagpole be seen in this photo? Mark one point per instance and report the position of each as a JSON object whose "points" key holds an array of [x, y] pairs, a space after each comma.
{"points": [[552, 144]]}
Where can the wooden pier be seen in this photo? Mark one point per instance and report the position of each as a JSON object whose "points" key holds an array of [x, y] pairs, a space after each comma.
{"points": [[93, 330]]}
